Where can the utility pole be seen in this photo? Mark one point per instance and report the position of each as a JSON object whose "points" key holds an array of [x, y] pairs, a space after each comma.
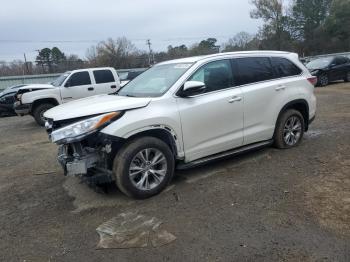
{"points": [[150, 56], [26, 63]]}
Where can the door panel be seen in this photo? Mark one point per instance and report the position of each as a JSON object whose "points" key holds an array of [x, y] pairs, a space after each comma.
{"points": [[211, 123], [105, 82], [77, 86], [262, 103]]}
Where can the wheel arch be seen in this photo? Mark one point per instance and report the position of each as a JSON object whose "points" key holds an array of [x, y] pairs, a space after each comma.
{"points": [[300, 105], [162, 132], [44, 101]]}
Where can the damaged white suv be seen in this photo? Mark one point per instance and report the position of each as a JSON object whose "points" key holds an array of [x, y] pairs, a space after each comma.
{"points": [[183, 113]]}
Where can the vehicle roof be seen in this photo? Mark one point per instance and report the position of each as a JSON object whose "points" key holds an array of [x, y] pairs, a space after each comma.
{"points": [[92, 68], [198, 58]]}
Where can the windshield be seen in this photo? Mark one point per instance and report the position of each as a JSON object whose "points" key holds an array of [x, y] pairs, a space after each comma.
{"points": [[155, 81], [319, 63], [59, 80]]}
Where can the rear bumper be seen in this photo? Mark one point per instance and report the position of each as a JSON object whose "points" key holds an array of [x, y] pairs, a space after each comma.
{"points": [[22, 109]]}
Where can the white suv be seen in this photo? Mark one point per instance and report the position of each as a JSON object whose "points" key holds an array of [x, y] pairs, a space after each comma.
{"points": [[183, 113]]}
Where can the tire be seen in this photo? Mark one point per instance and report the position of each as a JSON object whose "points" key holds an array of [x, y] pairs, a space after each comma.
{"points": [[38, 113], [347, 77], [323, 80], [129, 169], [284, 127]]}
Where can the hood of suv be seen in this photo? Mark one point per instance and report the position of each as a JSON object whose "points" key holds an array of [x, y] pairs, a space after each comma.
{"points": [[95, 105]]}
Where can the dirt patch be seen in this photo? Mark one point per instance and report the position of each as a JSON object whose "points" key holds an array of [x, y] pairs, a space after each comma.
{"points": [[328, 196]]}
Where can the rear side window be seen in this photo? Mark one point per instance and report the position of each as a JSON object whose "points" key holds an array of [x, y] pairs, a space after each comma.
{"points": [[215, 75], [103, 76], [283, 67], [80, 79], [253, 69]]}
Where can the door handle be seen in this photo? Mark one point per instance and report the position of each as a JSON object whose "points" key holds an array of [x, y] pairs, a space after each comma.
{"points": [[113, 86], [91, 89], [281, 87], [235, 99]]}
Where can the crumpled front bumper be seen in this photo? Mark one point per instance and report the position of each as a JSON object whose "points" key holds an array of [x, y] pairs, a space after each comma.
{"points": [[78, 159], [22, 109]]}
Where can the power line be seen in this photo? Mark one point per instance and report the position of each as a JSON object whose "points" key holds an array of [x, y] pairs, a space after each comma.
{"points": [[177, 38]]}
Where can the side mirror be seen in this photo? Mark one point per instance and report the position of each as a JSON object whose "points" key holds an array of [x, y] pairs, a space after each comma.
{"points": [[192, 88]]}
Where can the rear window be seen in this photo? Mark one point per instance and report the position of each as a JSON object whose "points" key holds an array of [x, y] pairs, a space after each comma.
{"points": [[253, 69], [283, 67], [103, 76]]}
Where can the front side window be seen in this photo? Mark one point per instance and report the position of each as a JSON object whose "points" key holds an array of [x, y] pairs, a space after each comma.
{"points": [[103, 76], [283, 67], [253, 69], [80, 79], [215, 75], [155, 81]]}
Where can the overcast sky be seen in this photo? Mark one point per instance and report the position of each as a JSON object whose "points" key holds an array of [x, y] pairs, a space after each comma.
{"points": [[75, 25]]}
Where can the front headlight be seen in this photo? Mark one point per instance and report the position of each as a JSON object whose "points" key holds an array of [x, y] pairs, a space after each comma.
{"points": [[83, 128]]}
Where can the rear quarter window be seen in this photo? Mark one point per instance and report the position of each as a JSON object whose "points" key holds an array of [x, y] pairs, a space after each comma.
{"points": [[284, 67]]}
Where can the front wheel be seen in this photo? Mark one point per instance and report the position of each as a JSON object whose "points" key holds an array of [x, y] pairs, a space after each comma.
{"points": [[143, 167], [38, 113], [289, 129]]}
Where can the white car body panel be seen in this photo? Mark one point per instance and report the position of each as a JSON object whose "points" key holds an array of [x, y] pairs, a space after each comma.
{"points": [[210, 123], [147, 118]]}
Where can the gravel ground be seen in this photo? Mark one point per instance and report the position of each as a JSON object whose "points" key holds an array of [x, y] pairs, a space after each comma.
{"points": [[269, 205]]}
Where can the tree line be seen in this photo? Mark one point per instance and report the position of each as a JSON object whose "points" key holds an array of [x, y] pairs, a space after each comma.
{"points": [[308, 27]]}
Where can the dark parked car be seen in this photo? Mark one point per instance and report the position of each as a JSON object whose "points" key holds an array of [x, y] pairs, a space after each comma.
{"points": [[329, 69], [7, 99]]}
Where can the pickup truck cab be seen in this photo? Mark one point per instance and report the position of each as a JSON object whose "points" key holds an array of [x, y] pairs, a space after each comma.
{"points": [[36, 99]]}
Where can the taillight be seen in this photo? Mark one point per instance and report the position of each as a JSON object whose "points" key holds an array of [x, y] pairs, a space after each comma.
{"points": [[313, 80]]}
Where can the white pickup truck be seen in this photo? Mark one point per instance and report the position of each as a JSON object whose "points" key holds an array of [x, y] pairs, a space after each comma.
{"points": [[36, 99]]}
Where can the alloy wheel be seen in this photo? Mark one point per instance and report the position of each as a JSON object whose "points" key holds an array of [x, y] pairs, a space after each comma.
{"points": [[148, 169], [292, 131], [323, 80]]}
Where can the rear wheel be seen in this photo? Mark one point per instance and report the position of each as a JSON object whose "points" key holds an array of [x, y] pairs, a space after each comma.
{"points": [[38, 113], [323, 80], [289, 130], [143, 167]]}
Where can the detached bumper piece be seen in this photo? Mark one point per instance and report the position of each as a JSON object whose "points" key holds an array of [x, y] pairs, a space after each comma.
{"points": [[86, 162]]}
